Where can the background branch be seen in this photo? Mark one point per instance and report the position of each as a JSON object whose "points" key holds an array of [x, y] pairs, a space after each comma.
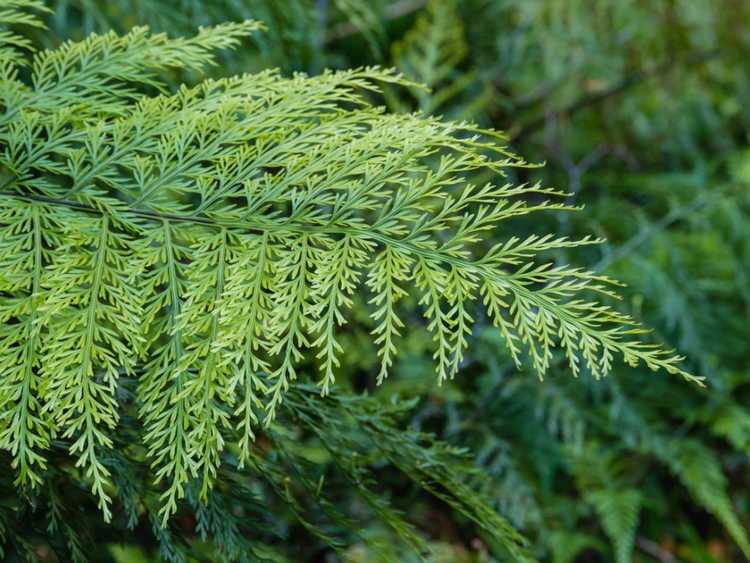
{"points": [[523, 131]]}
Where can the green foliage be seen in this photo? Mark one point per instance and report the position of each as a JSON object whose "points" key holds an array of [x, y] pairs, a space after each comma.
{"points": [[129, 239], [296, 29], [431, 53], [17, 12], [614, 502], [249, 515], [176, 259]]}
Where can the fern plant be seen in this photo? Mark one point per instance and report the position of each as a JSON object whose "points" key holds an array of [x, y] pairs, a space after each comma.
{"points": [[204, 242]]}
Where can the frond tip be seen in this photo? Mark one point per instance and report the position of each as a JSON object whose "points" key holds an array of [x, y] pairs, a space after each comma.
{"points": [[212, 240]]}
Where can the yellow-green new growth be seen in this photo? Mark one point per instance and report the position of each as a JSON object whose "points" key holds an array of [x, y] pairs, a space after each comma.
{"points": [[209, 240]]}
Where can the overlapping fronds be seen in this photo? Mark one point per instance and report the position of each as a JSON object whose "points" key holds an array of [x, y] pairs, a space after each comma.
{"points": [[210, 241], [14, 13], [335, 497], [364, 426]]}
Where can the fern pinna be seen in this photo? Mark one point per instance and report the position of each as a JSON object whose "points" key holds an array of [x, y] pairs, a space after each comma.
{"points": [[206, 241]]}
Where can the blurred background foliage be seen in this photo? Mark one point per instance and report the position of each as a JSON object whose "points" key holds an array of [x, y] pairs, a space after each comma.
{"points": [[638, 108]]}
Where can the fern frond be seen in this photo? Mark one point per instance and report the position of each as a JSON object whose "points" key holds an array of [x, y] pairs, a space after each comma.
{"points": [[23, 13], [363, 16], [700, 472], [210, 240], [26, 431], [351, 427], [92, 335], [165, 409], [431, 54], [616, 504], [696, 466], [99, 73], [337, 278]]}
